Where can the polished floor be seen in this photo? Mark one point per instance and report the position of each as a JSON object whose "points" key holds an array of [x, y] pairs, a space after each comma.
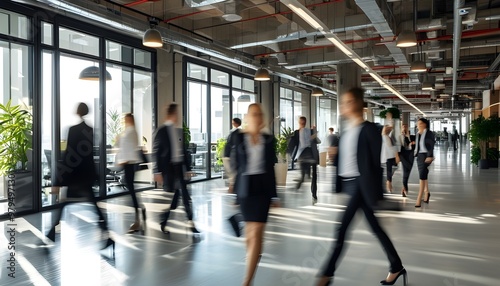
{"points": [[452, 241]]}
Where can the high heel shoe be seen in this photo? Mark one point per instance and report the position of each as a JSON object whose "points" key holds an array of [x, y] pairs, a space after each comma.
{"points": [[163, 226], [325, 281], [404, 192], [110, 242], [402, 272], [428, 197], [418, 206]]}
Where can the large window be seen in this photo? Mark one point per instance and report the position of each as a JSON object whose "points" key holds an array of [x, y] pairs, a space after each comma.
{"points": [[16, 97], [326, 117], [67, 71], [293, 104], [213, 98]]}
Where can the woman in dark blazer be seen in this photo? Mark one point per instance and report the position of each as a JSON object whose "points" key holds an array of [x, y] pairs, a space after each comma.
{"points": [[255, 183], [359, 174], [424, 151], [78, 172]]}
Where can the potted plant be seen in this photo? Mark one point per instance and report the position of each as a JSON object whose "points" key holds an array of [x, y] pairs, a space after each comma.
{"points": [[281, 168], [16, 141], [114, 126], [492, 154], [219, 152], [481, 131]]}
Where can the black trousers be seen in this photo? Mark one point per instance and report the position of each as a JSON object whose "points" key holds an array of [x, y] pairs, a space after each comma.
{"points": [[174, 180], [407, 159], [305, 169], [357, 202], [390, 163], [86, 194], [129, 181]]}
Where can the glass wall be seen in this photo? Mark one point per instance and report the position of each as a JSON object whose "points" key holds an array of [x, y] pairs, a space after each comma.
{"points": [[326, 117], [48, 91], [293, 104], [16, 114], [213, 98]]}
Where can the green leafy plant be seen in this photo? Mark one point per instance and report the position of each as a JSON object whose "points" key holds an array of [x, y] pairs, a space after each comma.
{"points": [[113, 126], [282, 143], [493, 154], [16, 137], [187, 134], [393, 110], [481, 131], [475, 155], [219, 150]]}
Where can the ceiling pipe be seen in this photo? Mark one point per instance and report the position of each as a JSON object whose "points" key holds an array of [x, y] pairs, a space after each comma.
{"points": [[457, 37], [138, 2], [268, 15]]}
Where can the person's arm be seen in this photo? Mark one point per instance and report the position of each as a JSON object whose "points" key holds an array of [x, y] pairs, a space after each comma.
{"points": [[157, 150], [429, 145]]}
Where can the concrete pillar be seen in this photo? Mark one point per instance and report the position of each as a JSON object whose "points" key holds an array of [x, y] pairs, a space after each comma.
{"points": [[405, 118], [369, 114], [169, 82], [266, 97], [348, 76]]}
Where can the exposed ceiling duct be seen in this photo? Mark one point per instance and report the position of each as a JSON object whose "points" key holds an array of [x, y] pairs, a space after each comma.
{"points": [[376, 16], [201, 3], [98, 15]]}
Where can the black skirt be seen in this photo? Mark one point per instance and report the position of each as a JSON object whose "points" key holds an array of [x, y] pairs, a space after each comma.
{"points": [[423, 168], [255, 207]]}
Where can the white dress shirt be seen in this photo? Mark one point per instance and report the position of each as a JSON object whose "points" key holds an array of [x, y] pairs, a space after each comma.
{"points": [[402, 137], [421, 142], [348, 163], [388, 149], [304, 141], [128, 147], [175, 142], [255, 156]]}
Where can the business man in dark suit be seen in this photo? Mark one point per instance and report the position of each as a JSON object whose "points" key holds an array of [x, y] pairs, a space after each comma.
{"points": [[171, 164], [359, 174], [303, 146], [78, 171], [406, 156]]}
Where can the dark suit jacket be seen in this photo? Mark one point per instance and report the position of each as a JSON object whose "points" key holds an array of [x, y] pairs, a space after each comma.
{"points": [[78, 158], [239, 157], [162, 149], [370, 169], [230, 142], [429, 141], [293, 145]]}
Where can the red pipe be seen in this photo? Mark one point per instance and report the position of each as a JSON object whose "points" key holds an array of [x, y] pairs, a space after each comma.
{"points": [[270, 15], [186, 15], [316, 47], [137, 3]]}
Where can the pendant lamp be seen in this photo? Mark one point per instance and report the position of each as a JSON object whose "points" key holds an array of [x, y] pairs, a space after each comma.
{"points": [[92, 73]]}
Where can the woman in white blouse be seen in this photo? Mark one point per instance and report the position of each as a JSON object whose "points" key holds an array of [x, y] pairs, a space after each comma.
{"points": [[128, 157], [255, 183], [389, 155]]}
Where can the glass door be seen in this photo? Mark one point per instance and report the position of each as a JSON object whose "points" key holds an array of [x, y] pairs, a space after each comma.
{"points": [[74, 90], [220, 122], [197, 123]]}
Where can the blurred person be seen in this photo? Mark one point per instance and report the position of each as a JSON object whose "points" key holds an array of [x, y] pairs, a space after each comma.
{"points": [[171, 164], [305, 151], [79, 173], [406, 156], [390, 156], [360, 175], [333, 144], [236, 122], [424, 151], [255, 183], [128, 157], [454, 137]]}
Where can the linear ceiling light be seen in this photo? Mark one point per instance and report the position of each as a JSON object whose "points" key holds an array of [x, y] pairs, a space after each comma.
{"points": [[305, 14], [339, 44]]}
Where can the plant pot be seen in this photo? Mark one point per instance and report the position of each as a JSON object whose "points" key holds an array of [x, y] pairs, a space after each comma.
{"points": [[22, 189], [493, 163], [281, 169], [483, 164]]}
